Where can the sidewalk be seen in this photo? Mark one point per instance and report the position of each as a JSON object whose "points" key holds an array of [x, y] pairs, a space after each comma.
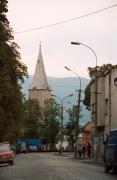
{"points": [[83, 160]]}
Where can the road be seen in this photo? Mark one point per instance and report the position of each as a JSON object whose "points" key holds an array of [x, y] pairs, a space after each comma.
{"points": [[50, 166]]}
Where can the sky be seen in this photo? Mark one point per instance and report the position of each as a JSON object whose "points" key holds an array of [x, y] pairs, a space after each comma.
{"points": [[98, 31]]}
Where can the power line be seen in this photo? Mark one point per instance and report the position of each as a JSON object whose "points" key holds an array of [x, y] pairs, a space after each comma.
{"points": [[66, 21]]}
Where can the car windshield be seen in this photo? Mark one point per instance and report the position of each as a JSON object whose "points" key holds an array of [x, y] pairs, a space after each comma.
{"points": [[112, 140], [4, 148]]}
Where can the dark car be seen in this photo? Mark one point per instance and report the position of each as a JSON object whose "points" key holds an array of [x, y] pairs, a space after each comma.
{"points": [[6, 154], [110, 152]]}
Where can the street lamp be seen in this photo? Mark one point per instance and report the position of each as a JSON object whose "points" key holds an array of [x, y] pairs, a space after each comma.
{"points": [[78, 108], [96, 99], [79, 43], [62, 100]]}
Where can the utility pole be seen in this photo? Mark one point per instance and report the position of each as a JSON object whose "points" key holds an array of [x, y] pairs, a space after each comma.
{"points": [[61, 149], [61, 130], [77, 112], [95, 138]]}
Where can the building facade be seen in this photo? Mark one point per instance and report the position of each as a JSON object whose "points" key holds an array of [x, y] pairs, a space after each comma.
{"points": [[103, 108], [87, 133], [39, 88]]}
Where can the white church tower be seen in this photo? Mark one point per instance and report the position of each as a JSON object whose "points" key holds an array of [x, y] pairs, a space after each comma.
{"points": [[39, 89]]}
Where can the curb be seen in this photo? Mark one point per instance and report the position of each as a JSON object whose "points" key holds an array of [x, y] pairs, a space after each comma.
{"points": [[92, 162], [89, 161]]}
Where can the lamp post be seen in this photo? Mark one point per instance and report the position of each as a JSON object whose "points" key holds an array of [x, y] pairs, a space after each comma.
{"points": [[96, 101], [79, 43], [78, 108], [62, 100]]}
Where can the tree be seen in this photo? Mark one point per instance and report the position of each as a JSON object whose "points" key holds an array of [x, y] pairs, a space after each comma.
{"points": [[51, 113], [100, 70], [70, 129], [32, 119], [12, 72], [41, 122], [86, 100]]}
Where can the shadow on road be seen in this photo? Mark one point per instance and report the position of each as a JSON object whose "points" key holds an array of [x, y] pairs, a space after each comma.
{"points": [[3, 165]]}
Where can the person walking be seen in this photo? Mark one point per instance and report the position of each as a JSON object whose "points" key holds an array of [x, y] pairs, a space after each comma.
{"points": [[80, 150], [84, 151], [89, 149]]}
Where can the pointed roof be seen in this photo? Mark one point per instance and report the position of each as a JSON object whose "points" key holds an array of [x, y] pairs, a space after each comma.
{"points": [[40, 79]]}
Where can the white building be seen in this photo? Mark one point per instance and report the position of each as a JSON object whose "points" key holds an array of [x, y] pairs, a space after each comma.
{"points": [[103, 107]]}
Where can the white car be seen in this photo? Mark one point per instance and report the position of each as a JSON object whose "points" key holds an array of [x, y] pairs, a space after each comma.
{"points": [[23, 148], [33, 148]]}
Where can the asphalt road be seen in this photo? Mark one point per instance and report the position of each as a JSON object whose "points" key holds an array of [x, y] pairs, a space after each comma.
{"points": [[49, 166]]}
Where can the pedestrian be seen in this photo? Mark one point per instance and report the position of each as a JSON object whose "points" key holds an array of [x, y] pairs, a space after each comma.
{"points": [[80, 150], [59, 148], [84, 151], [89, 149], [76, 149]]}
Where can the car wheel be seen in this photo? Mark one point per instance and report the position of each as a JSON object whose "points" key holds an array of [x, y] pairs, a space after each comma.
{"points": [[11, 163], [106, 168], [114, 169]]}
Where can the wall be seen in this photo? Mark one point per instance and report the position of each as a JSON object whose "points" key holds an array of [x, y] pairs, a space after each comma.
{"points": [[40, 95]]}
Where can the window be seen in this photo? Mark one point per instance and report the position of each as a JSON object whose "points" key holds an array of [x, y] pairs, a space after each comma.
{"points": [[106, 106]]}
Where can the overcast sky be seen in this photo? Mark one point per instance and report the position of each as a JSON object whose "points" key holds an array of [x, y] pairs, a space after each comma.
{"points": [[99, 31]]}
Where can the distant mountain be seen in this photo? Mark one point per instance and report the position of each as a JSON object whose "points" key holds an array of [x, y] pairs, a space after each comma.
{"points": [[62, 87]]}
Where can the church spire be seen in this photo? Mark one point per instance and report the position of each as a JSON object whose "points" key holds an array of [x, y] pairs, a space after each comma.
{"points": [[40, 79]]}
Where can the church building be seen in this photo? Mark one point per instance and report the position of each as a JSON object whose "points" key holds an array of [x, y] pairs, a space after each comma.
{"points": [[40, 89]]}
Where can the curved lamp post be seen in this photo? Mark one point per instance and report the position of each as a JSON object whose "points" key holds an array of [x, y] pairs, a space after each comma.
{"points": [[79, 43], [62, 100], [96, 100], [78, 108]]}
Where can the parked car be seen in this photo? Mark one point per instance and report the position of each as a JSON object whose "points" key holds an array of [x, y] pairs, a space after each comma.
{"points": [[33, 148], [6, 154], [30, 145], [23, 148], [110, 152]]}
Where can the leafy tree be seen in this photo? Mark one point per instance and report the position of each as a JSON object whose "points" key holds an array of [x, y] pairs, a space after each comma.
{"points": [[12, 72], [70, 133], [70, 129], [100, 70], [41, 122], [5, 30], [86, 100], [32, 119], [51, 113]]}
